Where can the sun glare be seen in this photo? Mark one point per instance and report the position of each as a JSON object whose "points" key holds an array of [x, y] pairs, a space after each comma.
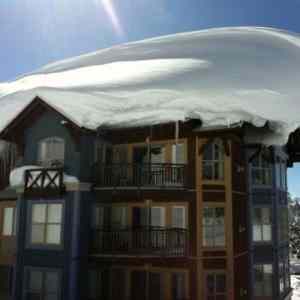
{"points": [[111, 12]]}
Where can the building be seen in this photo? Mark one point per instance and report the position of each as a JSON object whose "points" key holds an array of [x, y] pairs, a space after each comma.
{"points": [[170, 211]]}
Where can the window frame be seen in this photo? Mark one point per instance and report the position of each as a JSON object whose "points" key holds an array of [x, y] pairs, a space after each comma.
{"points": [[44, 271], [263, 281], [262, 170], [42, 160], [204, 226], [262, 241], [216, 294], [220, 162], [29, 243]]}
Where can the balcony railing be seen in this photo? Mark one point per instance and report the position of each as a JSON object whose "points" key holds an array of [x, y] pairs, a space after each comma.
{"points": [[141, 241], [44, 179], [140, 175]]}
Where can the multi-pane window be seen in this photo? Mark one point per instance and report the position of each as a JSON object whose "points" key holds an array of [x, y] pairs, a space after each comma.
{"points": [[215, 286], [119, 216], [46, 224], [9, 221], [261, 170], [179, 286], [213, 227], [263, 274], [213, 161], [178, 154], [51, 150], [178, 217], [42, 284], [281, 174], [284, 274], [262, 224]]}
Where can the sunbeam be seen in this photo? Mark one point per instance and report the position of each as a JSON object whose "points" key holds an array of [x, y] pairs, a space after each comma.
{"points": [[111, 12]]}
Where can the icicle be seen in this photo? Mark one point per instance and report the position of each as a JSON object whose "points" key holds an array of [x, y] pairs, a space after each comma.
{"points": [[176, 141]]}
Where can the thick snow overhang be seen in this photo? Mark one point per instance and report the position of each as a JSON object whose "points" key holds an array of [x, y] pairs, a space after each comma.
{"points": [[220, 76]]}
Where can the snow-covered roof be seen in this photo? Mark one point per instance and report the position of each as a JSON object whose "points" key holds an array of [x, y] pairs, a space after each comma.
{"points": [[221, 76]]}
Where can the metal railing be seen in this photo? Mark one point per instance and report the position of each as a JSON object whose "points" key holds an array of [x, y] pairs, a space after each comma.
{"points": [[145, 241], [122, 175]]}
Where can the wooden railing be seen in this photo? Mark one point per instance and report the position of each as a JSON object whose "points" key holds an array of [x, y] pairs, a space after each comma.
{"points": [[44, 179], [144, 241], [139, 175]]}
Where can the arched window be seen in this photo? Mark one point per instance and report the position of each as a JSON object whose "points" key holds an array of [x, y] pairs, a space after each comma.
{"points": [[213, 161], [261, 170], [51, 149]]}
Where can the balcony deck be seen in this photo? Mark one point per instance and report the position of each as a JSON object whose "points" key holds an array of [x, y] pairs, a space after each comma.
{"points": [[171, 176], [140, 241]]}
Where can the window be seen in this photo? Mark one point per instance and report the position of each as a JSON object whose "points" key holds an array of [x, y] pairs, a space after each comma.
{"points": [[154, 154], [262, 224], [119, 217], [284, 274], [46, 224], [263, 280], [51, 150], [157, 216], [178, 217], [213, 161], [178, 154], [9, 221], [261, 170], [42, 284], [179, 286], [215, 286], [156, 286], [213, 227]]}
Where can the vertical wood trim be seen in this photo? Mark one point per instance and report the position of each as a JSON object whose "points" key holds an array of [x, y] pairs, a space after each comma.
{"points": [[229, 224]]}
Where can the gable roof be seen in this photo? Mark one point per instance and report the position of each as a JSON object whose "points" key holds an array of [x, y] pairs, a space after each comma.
{"points": [[28, 115]]}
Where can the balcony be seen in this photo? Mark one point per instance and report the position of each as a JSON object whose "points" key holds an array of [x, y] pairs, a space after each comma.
{"points": [[44, 180], [141, 241], [140, 175]]}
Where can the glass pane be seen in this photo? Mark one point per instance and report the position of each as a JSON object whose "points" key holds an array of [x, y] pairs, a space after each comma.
{"points": [[208, 236], [178, 154], [220, 283], [219, 236], [208, 152], [178, 217], [35, 280], [267, 235], [210, 284], [178, 286], [39, 213], [155, 286], [51, 282], [208, 216], [37, 233], [98, 221], [53, 234], [207, 170], [157, 154], [54, 213], [157, 216], [8, 221], [257, 234], [119, 217]]}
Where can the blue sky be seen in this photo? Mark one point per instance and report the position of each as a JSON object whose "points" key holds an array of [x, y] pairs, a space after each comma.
{"points": [[36, 32]]}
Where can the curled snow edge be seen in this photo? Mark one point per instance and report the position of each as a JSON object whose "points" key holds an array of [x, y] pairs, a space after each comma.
{"points": [[221, 76]]}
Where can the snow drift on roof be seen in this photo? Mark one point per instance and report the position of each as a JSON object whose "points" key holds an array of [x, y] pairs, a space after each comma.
{"points": [[221, 76]]}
